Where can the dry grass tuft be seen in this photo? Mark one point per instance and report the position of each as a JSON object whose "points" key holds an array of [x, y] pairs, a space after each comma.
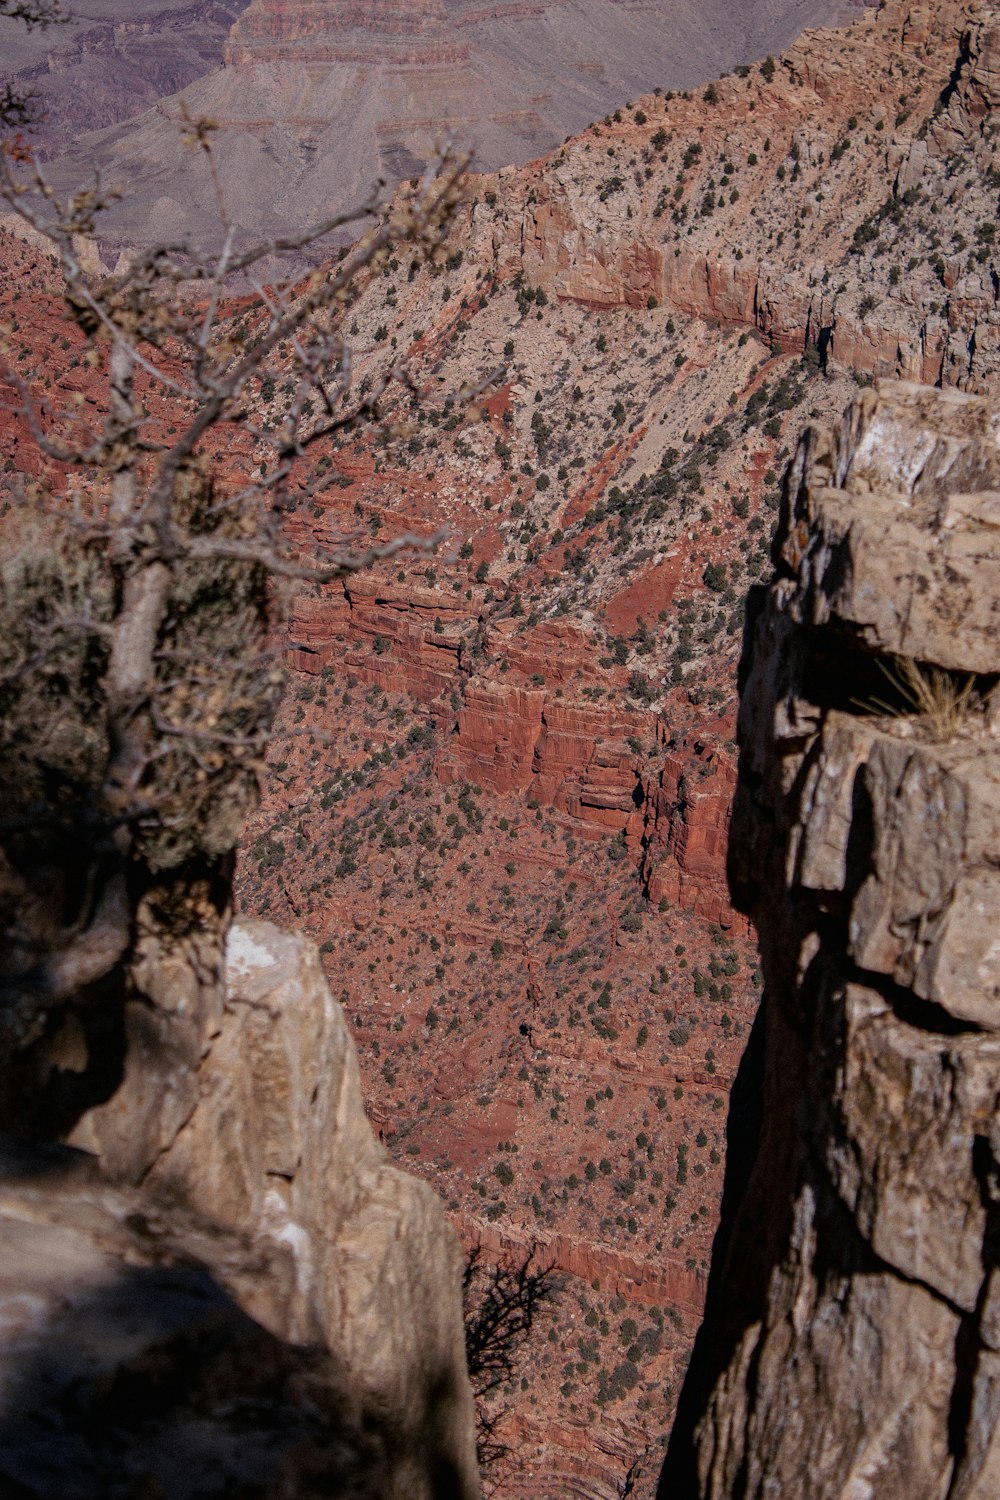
{"points": [[941, 700]]}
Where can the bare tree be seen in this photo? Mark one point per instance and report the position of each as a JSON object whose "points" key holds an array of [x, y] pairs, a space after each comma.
{"points": [[502, 1301], [136, 693]]}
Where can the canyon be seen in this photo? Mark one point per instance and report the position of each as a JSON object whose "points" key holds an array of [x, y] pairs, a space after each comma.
{"points": [[314, 102], [530, 683], [499, 798], [106, 61]]}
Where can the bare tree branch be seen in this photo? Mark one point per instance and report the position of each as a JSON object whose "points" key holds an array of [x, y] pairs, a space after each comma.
{"points": [[138, 692], [502, 1301], [339, 566]]}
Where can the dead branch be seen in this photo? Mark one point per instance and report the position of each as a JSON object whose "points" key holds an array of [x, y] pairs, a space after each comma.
{"points": [[143, 721], [502, 1302], [338, 567]]}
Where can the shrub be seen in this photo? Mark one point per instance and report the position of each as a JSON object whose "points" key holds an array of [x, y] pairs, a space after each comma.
{"points": [[617, 849], [639, 686]]}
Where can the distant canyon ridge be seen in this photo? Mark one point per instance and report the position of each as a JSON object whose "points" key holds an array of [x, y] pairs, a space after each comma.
{"points": [[316, 99]]}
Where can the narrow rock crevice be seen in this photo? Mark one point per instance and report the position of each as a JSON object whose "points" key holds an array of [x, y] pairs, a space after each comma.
{"points": [[922, 1015]]}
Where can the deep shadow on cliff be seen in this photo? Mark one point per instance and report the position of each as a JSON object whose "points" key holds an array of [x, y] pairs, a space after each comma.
{"points": [[130, 1370], [727, 1317], [718, 1336]]}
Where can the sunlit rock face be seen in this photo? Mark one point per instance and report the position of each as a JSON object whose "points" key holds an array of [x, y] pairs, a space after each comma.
{"points": [[274, 1308]]}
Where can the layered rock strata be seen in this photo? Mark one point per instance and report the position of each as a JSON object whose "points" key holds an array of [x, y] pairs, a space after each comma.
{"points": [[922, 86], [577, 757], [109, 60], [852, 1343], [317, 100]]}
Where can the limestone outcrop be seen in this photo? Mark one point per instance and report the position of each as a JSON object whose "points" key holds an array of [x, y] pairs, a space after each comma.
{"points": [[851, 1342], [284, 1264], [131, 1365]]}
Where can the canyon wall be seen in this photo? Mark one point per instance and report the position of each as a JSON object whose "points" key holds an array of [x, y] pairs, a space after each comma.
{"points": [[597, 251], [107, 61], [315, 100], [517, 732], [851, 1344], [463, 743]]}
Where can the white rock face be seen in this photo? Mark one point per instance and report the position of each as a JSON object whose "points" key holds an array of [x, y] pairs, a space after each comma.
{"points": [[243, 955], [279, 1148]]}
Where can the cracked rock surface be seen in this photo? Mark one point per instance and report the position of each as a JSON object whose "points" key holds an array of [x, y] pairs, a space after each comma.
{"points": [[850, 1347]]}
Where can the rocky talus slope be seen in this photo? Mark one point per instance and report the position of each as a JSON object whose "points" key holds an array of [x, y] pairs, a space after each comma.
{"points": [[274, 1311], [852, 1337]]}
